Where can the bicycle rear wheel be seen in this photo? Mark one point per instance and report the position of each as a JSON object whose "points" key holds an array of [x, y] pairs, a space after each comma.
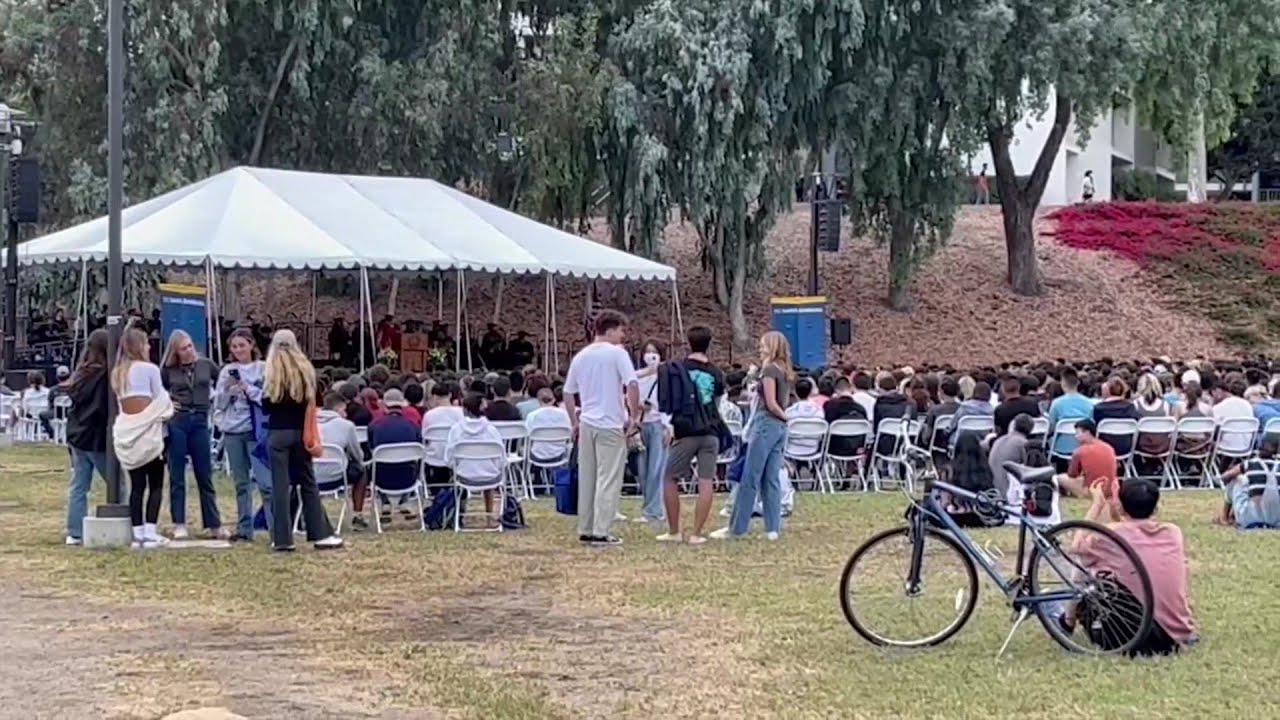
{"points": [[1111, 614], [882, 608]]}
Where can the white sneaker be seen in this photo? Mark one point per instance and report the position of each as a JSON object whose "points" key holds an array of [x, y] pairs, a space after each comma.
{"points": [[72, 541], [771, 536], [332, 542], [180, 532], [669, 538], [726, 511], [721, 534], [152, 543], [697, 540], [619, 518], [642, 520]]}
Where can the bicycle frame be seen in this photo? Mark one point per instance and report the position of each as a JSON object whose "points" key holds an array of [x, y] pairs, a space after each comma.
{"points": [[1012, 588]]}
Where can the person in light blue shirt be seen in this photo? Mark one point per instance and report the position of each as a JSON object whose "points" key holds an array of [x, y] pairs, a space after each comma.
{"points": [[1071, 406]]}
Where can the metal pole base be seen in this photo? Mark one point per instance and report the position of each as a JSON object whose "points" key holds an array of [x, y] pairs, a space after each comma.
{"points": [[108, 532], [112, 510]]}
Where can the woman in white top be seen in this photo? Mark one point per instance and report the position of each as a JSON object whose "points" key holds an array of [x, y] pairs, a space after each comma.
{"points": [[35, 398], [140, 425], [653, 436]]}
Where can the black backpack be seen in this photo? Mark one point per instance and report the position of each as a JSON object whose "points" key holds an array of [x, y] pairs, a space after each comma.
{"points": [[678, 398]]}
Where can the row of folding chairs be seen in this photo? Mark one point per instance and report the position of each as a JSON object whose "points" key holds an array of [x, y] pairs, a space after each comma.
{"points": [[27, 426], [1210, 446]]}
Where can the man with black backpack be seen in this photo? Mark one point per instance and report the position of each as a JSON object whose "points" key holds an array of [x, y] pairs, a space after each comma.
{"points": [[688, 393]]}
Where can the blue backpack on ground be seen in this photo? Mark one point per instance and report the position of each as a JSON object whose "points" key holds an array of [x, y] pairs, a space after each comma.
{"points": [[444, 505], [566, 490]]}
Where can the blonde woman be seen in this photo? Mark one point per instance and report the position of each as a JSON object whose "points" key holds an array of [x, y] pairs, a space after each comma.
{"points": [[139, 433], [1150, 401], [766, 435], [288, 392], [190, 380]]}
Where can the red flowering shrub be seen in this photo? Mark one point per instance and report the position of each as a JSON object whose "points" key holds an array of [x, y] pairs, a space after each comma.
{"points": [[1222, 259]]}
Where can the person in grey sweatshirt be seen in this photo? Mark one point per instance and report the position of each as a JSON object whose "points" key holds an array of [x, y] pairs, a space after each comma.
{"points": [[237, 396], [977, 406]]}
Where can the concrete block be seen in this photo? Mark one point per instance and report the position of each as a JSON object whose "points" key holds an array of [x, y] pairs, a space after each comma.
{"points": [[205, 714], [107, 532]]}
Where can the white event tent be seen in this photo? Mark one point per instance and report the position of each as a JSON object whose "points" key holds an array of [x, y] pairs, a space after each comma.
{"points": [[257, 218]]}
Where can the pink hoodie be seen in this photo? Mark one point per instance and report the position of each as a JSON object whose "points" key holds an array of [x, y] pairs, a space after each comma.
{"points": [[1160, 547]]}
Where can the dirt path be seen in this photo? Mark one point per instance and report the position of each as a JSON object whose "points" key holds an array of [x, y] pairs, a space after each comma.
{"points": [[65, 657]]}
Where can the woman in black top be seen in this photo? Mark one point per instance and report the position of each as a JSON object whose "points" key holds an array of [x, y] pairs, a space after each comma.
{"points": [[190, 380], [88, 389], [289, 389]]}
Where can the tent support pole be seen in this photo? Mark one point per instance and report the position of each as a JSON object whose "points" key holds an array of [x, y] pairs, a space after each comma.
{"points": [[466, 320], [555, 324], [675, 309], [82, 324], [207, 350], [311, 323], [546, 324], [368, 310], [439, 296], [457, 344], [360, 311], [215, 326]]}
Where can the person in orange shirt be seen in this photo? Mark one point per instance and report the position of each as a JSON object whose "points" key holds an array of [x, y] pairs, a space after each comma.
{"points": [[1093, 464]]}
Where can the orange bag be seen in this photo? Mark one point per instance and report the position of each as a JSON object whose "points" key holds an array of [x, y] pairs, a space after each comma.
{"points": [[311, 432]]}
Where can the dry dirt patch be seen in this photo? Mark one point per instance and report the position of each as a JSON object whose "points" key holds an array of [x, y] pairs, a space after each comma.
{"points": [[67, 657]]}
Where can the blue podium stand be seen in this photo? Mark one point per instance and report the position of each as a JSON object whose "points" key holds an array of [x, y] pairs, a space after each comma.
{"points": [[803, 320]]}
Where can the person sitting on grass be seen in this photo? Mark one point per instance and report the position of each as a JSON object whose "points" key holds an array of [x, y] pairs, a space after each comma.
{"points": [[475, 427], [1093, 464], [1160, 548], [1252, 498]]}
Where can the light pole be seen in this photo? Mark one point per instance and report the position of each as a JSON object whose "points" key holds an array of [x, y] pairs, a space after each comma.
{"points": [[115, 199]]}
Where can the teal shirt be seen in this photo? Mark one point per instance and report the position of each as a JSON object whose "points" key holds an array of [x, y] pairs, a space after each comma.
{"points": [[1072, 406]]}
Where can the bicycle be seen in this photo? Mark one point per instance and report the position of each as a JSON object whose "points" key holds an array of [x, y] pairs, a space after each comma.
{"points": [[1115, 605]]}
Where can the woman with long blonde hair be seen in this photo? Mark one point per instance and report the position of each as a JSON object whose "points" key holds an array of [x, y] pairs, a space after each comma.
{"points": [[288, 397], [766, 434], [190, 379], [138, 438]]}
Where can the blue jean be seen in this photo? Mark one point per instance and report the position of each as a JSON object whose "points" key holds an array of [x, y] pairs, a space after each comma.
{"points": [[189, 437], [654, 466], [83, 465], [246, 471], [760, 477]]}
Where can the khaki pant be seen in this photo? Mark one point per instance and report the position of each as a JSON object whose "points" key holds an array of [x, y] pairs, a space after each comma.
{"points": [[602, 463]]}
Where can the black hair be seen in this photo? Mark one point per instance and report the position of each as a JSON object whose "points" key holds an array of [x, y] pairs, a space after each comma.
{"points": [[970, 468], [804, 387], [862, 381], [826, 386], [1139, 497], [414, 394], [501, 386], [516, 378], [442, 389], [473, 405], [699, 339], [1023, 424], [949, 387]]}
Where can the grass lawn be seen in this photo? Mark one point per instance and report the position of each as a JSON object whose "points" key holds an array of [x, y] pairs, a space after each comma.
{"points": [[529, 625]]}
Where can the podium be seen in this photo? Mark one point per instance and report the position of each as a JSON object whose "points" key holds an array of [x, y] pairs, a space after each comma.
{"points": [[415, 350]]}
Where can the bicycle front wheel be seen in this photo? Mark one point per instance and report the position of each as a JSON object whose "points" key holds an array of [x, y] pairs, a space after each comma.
{"points": [[1112, 606], [884, 607]]}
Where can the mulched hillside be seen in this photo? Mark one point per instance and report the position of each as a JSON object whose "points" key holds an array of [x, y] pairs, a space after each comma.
{"points": [[1220, 262], [1095, 303]]}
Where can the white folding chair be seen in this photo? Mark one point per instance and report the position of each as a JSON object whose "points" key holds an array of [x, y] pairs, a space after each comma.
{"points": [[839, 463], [362, 434], [1271, 429], [980, 425], [1201, 453], [1122, 436], [1064, 428], [805, 443], [7, 405], [889, 451], [331, 481], [941, 431], [1167, 428], [29, 427], [1039, 431], [61, 408], [479, 451], [1236, 441], [515, 434], [544, 438], [397, 454]]}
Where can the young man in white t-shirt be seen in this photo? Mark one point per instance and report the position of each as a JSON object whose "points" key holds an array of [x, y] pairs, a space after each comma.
{"points": [[547, 416], [604, 380], [442, 412], [1230, 405]]}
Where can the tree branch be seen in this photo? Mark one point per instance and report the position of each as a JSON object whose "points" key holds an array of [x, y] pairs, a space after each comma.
{"points": [[282, 71], [1034, 189]]}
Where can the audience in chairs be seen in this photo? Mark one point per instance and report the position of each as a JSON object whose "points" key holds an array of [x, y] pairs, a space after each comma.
{"points": [[475, 427], [337, 430]]}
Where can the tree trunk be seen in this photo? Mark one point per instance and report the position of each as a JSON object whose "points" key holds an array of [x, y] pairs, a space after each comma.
{"points": [[391, 296], [231, 296], [499, 285], [737, 291], [1018, 200], [713, 241], [282, 71], [1197, 165], [901, 240]]}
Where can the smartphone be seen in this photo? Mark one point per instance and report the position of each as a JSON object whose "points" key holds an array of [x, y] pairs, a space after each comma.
{"points": [[234, 374]]}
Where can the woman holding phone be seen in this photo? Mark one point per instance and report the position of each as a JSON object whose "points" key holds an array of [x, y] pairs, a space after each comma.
{"points": [[238, 397], [189, 379]]}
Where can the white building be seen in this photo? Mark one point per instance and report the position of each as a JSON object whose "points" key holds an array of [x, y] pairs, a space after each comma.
{"points": [[1115, 144]]}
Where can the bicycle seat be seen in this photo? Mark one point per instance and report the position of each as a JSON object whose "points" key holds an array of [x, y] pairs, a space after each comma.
{"points": [[1028, 475]]}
